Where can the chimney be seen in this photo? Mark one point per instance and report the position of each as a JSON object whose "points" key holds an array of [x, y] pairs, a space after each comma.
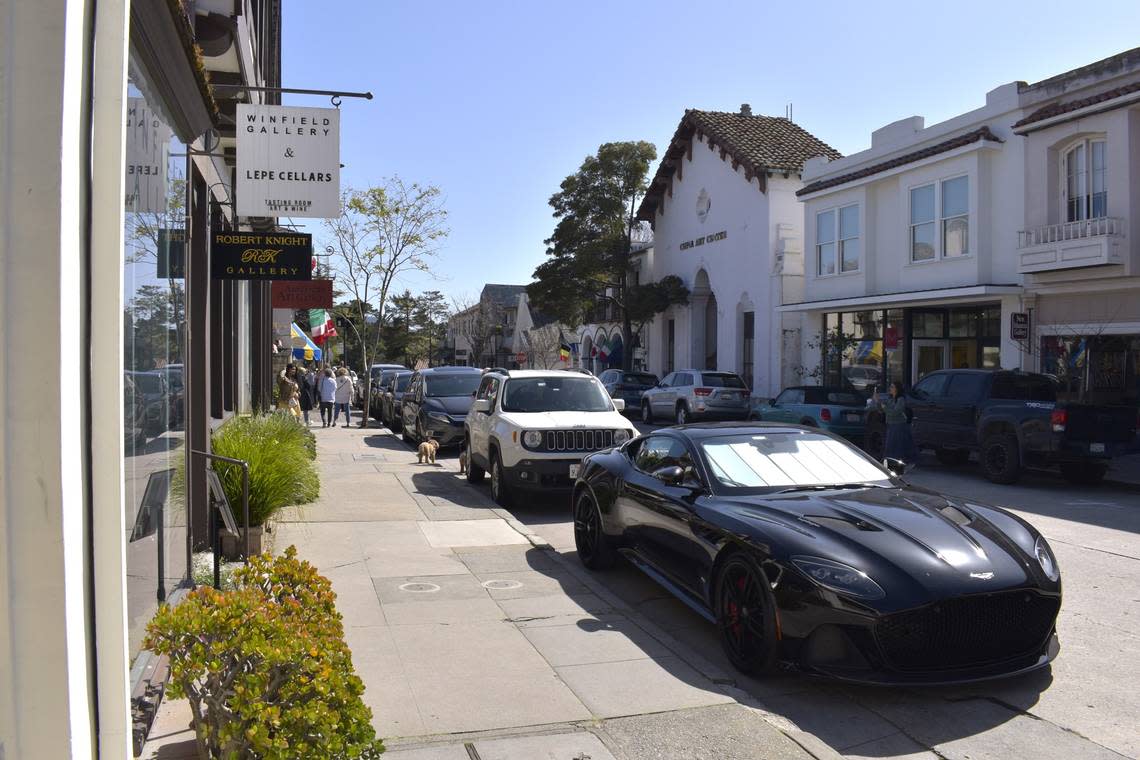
{"points": [[745, 109]]}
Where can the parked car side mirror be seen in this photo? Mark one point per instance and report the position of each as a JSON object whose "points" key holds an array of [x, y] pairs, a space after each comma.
{"points": [[896, 467], [671, 475], [771, 402], [619, 404], [481, 405]]}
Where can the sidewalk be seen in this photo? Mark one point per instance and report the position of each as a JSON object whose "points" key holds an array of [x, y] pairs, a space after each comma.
{"points": [[475, 640]]}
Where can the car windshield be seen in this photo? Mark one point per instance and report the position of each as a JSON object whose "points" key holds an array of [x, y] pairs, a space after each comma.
{"points": [[721, 380], [451, 385], [640, 378], [402, 383], [555, 394], [782, 460]]}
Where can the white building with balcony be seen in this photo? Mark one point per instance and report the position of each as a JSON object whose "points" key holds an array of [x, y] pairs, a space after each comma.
{"points": [[1078, 251]]}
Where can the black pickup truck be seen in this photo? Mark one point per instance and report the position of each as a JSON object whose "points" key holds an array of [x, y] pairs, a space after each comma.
{"points": [[1012, 420]]}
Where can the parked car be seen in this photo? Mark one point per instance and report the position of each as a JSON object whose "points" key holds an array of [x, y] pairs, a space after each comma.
{"points": [[151, 388], [177, 388], [134, 415], [836, 410], [376, 399], [374, 385], [1011, 419], [436, 403], [357, 389], [803, 550], [392, 398], [863, 377], [692, 394], [628, 386], [530, 429]]}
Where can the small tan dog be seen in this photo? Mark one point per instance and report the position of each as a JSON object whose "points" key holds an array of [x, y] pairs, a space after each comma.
{"points": [[463, 460], [426, 451]]}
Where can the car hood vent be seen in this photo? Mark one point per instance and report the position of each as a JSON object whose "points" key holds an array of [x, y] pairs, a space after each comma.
{"points": [[843, 523]]}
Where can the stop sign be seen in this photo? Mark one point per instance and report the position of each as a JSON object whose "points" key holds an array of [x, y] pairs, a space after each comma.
{"points": [[520, 357]]}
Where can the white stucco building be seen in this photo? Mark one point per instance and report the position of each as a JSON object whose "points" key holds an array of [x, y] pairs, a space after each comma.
{"points": [[727, 222]]}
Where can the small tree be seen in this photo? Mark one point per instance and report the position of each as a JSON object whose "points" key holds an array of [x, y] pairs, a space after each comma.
{"points": [[479, 326], [543, 346]]}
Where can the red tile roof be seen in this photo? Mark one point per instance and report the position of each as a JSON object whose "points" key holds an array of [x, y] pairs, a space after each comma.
{"points": [[1057, 109], [982, 133], [760, 143]]}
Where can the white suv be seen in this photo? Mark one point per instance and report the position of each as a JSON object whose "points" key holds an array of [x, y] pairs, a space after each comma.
{"points": [[531, 428]]}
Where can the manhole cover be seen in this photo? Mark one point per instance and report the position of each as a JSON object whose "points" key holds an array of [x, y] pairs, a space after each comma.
{"points": [[501, 585], [419, 588]]}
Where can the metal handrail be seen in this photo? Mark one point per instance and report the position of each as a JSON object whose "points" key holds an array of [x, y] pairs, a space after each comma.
{"points": [[1079, 230]]}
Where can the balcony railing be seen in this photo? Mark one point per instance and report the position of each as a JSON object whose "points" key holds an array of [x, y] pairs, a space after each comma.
{"points": [[1057, 233]]}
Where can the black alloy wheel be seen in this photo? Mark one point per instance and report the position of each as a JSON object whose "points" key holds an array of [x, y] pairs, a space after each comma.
{"points": [[646, 413], [1001, 460], [406, 434], [500, 491], [595, 549], [746, 615], [682, 414]]}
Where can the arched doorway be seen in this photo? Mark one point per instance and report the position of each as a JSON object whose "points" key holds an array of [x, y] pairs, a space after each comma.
{"points": [[703, 311], [585, 357], [616, 349]]}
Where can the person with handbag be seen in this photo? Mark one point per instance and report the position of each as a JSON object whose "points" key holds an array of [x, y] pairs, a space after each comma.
{"points": [[899, 442]]}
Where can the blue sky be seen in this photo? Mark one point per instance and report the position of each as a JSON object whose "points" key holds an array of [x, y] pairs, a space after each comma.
{"points": [[496, 102]]}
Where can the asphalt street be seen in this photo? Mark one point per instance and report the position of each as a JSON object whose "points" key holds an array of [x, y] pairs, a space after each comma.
{"points": [[1083, 706]]}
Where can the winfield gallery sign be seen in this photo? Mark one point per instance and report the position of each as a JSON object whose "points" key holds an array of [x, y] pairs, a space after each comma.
{"points": [[288, 161], [262, 256]]}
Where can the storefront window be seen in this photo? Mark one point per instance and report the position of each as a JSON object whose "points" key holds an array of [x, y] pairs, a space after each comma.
{"points": [[153, 377], [894, 342], [1094, 369], [928, 324]]}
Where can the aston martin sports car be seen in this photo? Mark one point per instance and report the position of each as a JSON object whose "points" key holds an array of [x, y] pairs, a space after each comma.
{"points": [[805, 552]]}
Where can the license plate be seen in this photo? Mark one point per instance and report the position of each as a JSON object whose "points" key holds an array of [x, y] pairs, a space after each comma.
{"points": [[851, 416], [728, 396], [1096, 448], [573, 471]]}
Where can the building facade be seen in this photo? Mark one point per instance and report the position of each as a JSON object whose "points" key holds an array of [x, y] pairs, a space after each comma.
{"points": [[1078, 251], [119, 162], [483, 334], [727, 222]]}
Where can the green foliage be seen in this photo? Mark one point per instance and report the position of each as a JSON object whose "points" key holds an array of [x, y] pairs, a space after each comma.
{"points": [[589, 252], [265, 666], [280, 452]]}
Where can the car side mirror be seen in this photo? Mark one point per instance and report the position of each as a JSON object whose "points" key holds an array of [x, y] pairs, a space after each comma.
{"points": [[671, 475], [771, 402], [619, 404], [481, 405], [896, 467]]}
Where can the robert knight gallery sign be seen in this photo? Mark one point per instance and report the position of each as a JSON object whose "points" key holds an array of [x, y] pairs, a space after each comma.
{"points": [[288, 161], [261, 256]]}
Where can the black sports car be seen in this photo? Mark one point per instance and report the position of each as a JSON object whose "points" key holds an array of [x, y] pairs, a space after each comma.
{"points": [[805, 551]]}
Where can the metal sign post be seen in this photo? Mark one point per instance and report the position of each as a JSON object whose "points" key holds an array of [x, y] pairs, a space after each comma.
{"points": [[221, 504]]}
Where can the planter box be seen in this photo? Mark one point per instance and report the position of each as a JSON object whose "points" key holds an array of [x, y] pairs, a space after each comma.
{"points": [[233, 547]]}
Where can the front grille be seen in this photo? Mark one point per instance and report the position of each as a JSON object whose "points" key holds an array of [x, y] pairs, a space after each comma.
{"points": [[577, 440], [967, 631]]}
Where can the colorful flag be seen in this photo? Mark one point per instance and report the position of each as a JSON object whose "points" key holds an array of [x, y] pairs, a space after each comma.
{"points": [[563, 347], [322, 325]]}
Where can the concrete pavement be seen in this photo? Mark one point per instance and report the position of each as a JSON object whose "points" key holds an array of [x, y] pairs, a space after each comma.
{"points": [[473, 635]]}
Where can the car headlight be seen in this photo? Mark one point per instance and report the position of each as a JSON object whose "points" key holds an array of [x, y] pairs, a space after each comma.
{"points": [[532, 439], [839, 577], [439, 417], [1045, 558], [620, 437]]}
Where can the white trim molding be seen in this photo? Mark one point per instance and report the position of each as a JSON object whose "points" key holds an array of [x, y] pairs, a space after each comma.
{"points": [[915, 298]]}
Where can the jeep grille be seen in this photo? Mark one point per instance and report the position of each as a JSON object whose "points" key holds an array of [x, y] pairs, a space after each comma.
{"points": [[577, 440]]}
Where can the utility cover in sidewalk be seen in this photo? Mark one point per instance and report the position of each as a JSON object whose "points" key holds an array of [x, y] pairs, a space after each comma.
{"points": [[419, 588], [501, 585], [448, 533]]}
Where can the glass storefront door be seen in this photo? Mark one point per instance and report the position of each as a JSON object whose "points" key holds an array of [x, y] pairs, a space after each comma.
{"points": [[927, 356]]}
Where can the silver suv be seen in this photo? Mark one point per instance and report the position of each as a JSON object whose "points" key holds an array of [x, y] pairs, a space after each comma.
{"points": [[692, 394]]}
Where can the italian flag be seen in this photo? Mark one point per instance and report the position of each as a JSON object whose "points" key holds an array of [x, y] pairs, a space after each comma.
{"points": [[321, 325]]}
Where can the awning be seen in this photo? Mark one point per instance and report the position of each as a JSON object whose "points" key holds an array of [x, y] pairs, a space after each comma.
{"points": [[933, 297], [303, 346]]}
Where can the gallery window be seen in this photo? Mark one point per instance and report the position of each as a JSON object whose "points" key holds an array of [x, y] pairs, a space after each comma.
{"points": [[1086, 181], [837, 240], [940, 220]]}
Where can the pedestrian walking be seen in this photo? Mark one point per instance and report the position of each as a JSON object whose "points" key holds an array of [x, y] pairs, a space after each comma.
{"points": [[307, 380], [287, 391], [900, 442], [344, 391], [327, 392]]}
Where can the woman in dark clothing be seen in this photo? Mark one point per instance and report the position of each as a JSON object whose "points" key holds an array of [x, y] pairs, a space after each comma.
{"points": [[308, 385], [900, 443]]}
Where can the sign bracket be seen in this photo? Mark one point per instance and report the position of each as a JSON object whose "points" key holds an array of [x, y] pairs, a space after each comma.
{"points": [[334, 95]]}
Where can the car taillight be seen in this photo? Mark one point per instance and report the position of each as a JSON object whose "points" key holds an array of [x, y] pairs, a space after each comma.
{"points": [[825, 414], [1059, 419], [702, 391]]}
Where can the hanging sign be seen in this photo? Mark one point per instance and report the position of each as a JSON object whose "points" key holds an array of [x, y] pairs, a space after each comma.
{"points": [[171, 258], [261, 256], [1019, 325], [148, 150], [313, 294], [288, 161]]}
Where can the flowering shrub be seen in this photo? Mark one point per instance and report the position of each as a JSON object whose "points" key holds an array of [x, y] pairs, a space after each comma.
{"points": [[265, 666]]}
